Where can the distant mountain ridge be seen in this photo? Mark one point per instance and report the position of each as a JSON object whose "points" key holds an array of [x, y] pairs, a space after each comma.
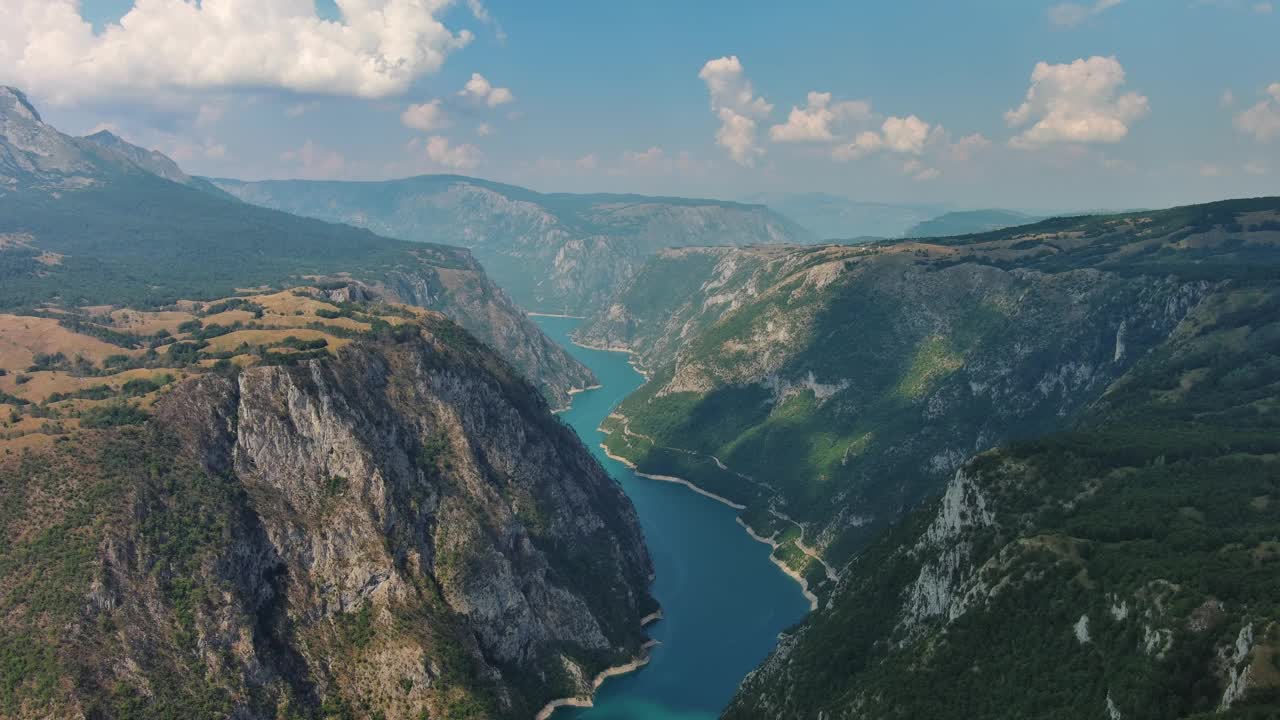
{"points": [[835, 217], [968, 222], [87, 221], [554, 252]]}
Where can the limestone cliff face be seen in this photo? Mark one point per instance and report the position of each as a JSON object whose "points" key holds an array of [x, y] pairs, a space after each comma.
{"points": [[1115, 559], [402, 530]]}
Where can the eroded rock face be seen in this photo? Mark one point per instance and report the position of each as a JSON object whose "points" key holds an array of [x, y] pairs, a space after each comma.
{"points": [[402, 528]]}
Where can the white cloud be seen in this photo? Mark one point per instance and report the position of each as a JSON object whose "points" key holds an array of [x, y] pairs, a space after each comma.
{"points": [[378, 49], [1070, 15], [818, 120], [1078, 102], [481, 13], [1210, 171], [864, 144], [484, 130], [296, 111], [443, 153], [1227, 99], [966, 147], [1262, 8], [425, 117], [1262, 121], [653, 160], [315, 162], [905, 135], [587, 162], [1257, 167], [480, 90], [733, 100]]}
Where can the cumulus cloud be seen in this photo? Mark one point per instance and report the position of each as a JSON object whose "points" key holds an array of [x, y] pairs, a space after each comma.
{"points": [[315, 162], [457, 157], [1256, 167], [484, 130], [1077, 102], [905, 135], [866, 143], [1262, 121], [425, 116], [966, 147], [377, 49], [587, 162], [734, 101], [1072, 15], [819, 119], [479, 90]]}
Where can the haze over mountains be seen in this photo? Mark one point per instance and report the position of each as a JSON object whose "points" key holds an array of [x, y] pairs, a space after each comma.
{"points": [[555, 253]]}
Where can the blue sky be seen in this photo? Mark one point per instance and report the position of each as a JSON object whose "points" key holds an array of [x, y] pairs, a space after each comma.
{"points": [[1171, 101]]}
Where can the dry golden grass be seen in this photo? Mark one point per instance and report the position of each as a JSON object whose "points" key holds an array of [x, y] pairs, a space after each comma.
{"points": [[22, 337], [44, 384], [148, 323], [230, 317], [270, 336]]}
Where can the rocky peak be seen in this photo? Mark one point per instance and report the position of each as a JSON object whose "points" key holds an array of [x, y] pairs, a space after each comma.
{"points": [[152, 161], [14, 101]]}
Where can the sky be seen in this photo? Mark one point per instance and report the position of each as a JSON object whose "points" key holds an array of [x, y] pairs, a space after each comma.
{"points": [[991, 103]]}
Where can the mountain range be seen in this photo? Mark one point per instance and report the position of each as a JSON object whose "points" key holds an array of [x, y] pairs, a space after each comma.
{"points": [[1052, 443], [251, 467], [555, 253], [87, 221]]}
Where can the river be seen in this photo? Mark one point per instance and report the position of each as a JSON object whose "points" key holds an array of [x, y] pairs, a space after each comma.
{"points": [[723, 601]]}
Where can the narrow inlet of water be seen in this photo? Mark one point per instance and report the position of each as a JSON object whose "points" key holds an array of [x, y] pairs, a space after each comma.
{"points": [[723, 601]]}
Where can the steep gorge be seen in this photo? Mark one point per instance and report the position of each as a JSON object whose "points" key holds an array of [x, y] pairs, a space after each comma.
{"points": [[401, 530]]}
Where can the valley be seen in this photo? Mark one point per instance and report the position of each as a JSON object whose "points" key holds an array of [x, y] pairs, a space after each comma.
{"points": [[723, 602], [386, 441]]}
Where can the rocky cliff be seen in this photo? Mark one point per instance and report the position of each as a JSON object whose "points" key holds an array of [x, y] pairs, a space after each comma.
{"points": [[1124, 569], [555, 253], [396, 529], [830, 389]]}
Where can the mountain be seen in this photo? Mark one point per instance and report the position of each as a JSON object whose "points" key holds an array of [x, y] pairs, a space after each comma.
{"points": [[968, 222], [1127, 567], [151, 161], [88, 221], [555, 253], [833, 217], [296, 504], [831, 389]]}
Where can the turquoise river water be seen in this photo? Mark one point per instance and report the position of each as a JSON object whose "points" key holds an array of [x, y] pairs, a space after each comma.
{"points": [[723, 601]]}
